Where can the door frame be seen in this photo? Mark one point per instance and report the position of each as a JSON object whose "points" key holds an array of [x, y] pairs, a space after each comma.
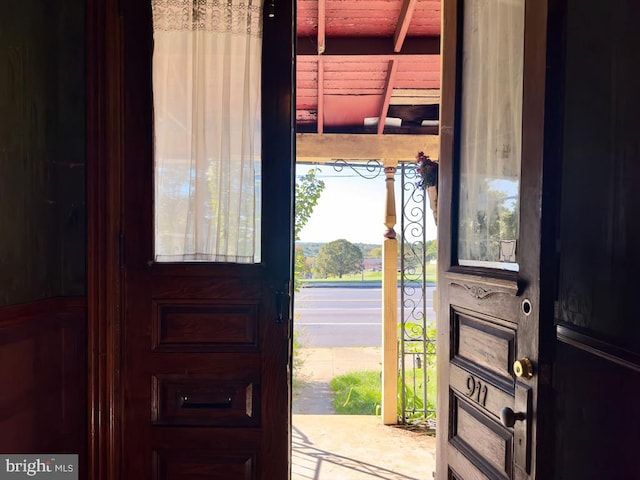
{"points": [[105, 140]]}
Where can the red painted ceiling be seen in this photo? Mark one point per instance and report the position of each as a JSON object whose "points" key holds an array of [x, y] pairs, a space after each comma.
{"points": [[362, 59]]}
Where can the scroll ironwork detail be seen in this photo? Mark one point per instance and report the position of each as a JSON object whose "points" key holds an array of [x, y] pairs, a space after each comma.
{"points": [[416, 324]]}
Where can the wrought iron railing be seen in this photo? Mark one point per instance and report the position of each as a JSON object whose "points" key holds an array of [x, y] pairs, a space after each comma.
{"points": [[416, 336]]}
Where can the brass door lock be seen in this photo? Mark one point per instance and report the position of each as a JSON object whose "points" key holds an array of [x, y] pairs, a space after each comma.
{"points": [[523, 368]]}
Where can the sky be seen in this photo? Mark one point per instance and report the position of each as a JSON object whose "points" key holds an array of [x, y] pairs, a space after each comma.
{"points": [[352, 208]]}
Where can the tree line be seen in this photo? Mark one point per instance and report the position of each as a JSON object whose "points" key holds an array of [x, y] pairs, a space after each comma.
{"points": [[339, 257]]}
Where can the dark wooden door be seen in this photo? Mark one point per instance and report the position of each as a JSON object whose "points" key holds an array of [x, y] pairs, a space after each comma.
{"points": [[492, 367], [205, 345]]}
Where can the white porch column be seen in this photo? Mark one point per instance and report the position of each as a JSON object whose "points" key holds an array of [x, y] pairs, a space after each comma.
{"points": [[390, 307]]}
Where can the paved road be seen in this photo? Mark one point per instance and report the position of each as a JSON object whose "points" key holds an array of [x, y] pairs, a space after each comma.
{"points": [[343, 317]]}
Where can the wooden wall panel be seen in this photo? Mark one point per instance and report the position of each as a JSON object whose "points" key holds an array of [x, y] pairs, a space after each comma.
{"points": [[597, 416], [43, 371]]}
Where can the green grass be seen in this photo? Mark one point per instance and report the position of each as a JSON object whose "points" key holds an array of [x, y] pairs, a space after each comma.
{"points": [[360, 392], [297, 361], [419, 391], [368, 277], [357, 393]]}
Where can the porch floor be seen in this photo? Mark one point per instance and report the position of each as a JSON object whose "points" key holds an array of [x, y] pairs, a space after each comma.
{"points": [[350, 447], [358, 447]]}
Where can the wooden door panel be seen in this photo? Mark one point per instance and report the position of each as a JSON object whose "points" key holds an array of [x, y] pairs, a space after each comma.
{"points": [[493, 452], [206, 400], [481, 381], [481, 392], [196, 365], [460, 467], [202, 325], [489, 313], [485, 346], [201, 464], [207, 281], [224, 441], [481, 385], [205, 349]]}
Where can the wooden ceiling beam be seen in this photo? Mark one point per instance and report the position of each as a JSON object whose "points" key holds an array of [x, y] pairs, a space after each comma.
{"points": [[321, 27], [315, 148], [434, 59], [386, 98], [402, 26], [415, 96], [320, 111], [368, 46]]}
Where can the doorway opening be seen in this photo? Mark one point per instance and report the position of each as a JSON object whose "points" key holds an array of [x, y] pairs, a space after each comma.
{"points": [[338, 427]]}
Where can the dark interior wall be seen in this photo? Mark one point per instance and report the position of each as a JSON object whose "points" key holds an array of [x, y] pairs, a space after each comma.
{"points": [[596, 377], [600, 232], [70, 139], [42, 228], [42, 160]]}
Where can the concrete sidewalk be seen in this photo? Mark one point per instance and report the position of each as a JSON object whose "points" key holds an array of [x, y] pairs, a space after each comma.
{"points": [[311, 394], [326, 446], [323, 364]]}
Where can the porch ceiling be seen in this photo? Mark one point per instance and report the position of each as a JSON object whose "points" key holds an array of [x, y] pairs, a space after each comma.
{"points": [[368, 59]]}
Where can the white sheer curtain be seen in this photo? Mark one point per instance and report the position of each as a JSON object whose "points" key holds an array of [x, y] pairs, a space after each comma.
{"points": [[206, 86], [491, 131]]}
